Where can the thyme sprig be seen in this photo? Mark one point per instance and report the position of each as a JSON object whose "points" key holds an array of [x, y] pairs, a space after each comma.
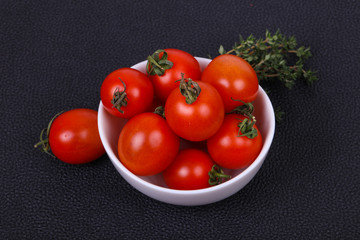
{"points": [[275, 57]]}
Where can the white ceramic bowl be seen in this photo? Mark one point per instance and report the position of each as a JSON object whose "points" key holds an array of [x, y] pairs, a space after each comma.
{"points": [[154, 186]]}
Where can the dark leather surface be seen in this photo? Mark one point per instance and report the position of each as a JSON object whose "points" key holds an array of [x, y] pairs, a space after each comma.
{"points": [[54, 56]]}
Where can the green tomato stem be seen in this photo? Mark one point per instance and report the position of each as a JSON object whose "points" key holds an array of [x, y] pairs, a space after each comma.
{"points": [[119, 98], [44, 142], [153, 61], [217, 175], [189, 89]]}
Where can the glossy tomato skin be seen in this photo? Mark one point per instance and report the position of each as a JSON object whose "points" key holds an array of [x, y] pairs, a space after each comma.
{"points": [[139, 89], [74, 137], [197, 121], [230, 151], [146, 144], [233, 77], [183, 62], [189, 170]]}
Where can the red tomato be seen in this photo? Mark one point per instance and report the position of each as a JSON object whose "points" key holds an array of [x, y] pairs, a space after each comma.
{"points": [[147, 145], [189, 171], [137, 96], [196, 121], [183, 62], [74, 136], [229, 150], [233, 77]]}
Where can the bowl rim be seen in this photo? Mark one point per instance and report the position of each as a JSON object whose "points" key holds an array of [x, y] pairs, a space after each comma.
{"points": [[258, 161]]}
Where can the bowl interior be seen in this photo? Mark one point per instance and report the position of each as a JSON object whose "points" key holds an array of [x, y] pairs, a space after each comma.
{"points": [[110, 128]]}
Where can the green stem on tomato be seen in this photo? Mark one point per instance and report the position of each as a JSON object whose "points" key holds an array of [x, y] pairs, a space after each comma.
{"points": [[120, 98], [189, 89], [44, 142], [157, 65], [246, 109], [217, 175], [246, 128], [160, 110], [153, 61]]}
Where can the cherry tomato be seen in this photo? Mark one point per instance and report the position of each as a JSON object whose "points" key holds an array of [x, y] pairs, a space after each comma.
{"points": [[196, 121], [233, 77], [189, 171], [147, 145], [126, 92], [229, 150], [183, 62], [74, 137]]}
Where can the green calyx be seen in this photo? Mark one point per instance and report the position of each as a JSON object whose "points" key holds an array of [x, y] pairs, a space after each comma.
{"points": [[157, 65], [160, 110], [246, 128], [217, 175], [44, 141], [246, 109], [120, 98], [189, 89]]}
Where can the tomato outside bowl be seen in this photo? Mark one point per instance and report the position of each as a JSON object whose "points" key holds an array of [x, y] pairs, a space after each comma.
{"points": [[155, 187]]}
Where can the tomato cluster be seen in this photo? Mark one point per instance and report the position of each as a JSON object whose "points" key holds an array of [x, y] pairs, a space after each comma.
{"points": [[213, 106], [172, 102]]}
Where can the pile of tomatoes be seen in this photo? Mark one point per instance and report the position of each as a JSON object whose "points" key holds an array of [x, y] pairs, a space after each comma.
{"points": [[213, 106], [171, 103]]}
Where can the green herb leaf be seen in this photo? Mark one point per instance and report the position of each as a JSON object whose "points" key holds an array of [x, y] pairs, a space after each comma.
{"points": [[277, 58], [222, 50], [271, 57]]}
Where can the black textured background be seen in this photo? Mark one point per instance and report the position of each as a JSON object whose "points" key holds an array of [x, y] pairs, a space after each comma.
{"points": [[54, 56]]}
